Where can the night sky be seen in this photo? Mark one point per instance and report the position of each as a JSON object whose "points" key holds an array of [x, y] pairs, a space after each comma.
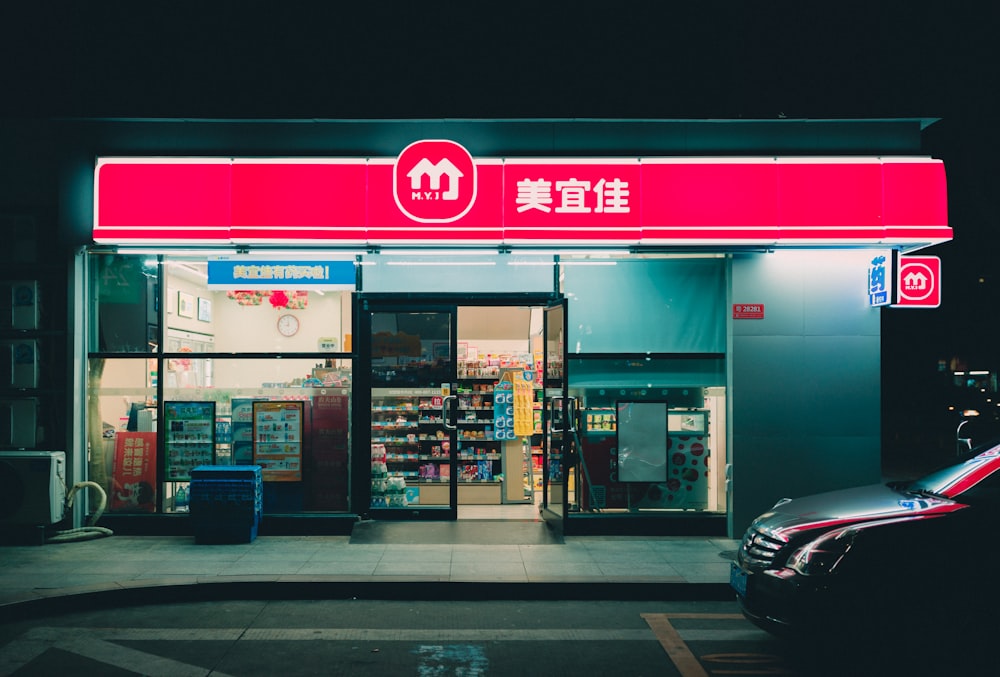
{"points": [[580, 59]]}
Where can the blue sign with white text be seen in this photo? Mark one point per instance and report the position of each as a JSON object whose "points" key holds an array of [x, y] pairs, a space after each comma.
{"points": [[234, 274], [879, 283]]}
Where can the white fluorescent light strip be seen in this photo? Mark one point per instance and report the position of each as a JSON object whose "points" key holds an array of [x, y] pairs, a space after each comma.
{"points": [[563, 263], [187, 268], [434, 252], [440, 263], [167, 251], [557, 161]]}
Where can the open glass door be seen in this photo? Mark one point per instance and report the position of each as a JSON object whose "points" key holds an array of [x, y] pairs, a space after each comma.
{"points": [[557, 420], [413, 438]]}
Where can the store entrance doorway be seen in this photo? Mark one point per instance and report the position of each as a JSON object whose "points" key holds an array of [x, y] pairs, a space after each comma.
{"points": [[458, 400]]}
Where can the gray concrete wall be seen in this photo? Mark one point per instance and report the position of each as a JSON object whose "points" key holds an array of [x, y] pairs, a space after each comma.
{"points": [[806, 379]]}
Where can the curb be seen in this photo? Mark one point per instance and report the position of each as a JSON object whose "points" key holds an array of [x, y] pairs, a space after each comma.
{"points": [[421, 591]]}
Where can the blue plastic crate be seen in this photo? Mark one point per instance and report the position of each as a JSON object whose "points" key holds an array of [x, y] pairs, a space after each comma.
{"points": [[225, 490], [211, 532], [226, 503], [227, 472]]}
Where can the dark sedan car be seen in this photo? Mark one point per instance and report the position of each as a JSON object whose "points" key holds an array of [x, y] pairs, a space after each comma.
{"points": [[876, 557]]}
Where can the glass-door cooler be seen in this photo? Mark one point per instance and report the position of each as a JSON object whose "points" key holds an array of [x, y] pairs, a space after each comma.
{"points": [[411, 450]]}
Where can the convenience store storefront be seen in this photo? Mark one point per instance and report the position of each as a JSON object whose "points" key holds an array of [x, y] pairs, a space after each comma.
{"points": [[631, 327]]}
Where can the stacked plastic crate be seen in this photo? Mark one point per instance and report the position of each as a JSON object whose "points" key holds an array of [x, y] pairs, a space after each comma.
{"points": [[226, 503]]}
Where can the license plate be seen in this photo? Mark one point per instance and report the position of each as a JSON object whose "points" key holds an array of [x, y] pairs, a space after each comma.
{"points": [[738, 580]]}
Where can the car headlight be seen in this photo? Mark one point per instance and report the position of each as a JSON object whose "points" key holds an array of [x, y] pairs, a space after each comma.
{"points": [[821, 556]]}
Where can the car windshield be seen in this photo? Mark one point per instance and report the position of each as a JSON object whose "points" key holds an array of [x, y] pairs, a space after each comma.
{"points": [[956, 479]]}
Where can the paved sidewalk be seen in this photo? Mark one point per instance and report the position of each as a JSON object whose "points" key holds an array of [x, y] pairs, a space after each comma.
{"points": [[142, 569]]}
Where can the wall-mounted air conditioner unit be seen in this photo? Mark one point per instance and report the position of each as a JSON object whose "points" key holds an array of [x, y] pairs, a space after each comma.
{"points": [[32, 487], [19, 305], [18, 422], [19, 363]]}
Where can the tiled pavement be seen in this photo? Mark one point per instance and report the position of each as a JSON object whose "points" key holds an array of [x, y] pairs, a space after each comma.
{"points": [[147, 568]]}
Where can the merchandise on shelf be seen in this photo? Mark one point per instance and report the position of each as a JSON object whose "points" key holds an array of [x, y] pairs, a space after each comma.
{"points": [[410, 446]]}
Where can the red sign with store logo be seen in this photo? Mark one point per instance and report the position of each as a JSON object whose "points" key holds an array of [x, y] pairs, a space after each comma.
{"points": [[919, 282], [434, 181], [481, 223], [436, 192]]}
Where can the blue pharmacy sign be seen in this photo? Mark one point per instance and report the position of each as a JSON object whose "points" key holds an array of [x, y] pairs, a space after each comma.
{"points": [[259, 274], [880, 280]]}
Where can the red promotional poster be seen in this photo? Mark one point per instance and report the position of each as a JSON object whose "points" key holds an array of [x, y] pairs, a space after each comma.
{"points": [[134, 474]]}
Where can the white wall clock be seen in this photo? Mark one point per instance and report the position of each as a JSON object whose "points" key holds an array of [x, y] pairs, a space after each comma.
{"points": [[288, 325]]}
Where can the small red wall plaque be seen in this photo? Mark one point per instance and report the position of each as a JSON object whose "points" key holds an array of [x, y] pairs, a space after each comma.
{"points": [[748, 311]]}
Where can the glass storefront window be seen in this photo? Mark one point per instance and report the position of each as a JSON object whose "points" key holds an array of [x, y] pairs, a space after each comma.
{"points": [[620, 401], [210, 355], [320, 482], [121, 437], [124, 303], [132, 295], [673, 305]]}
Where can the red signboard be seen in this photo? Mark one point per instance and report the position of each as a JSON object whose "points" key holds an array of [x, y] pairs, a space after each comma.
{"points": [[434, 181], [748, 311], [434, 192], [133, 484], [919, 282], [570, 200], [300, 200], [386, 222]]}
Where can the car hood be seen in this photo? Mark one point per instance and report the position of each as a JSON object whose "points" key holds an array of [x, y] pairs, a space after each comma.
{"points": [[849, 506]]}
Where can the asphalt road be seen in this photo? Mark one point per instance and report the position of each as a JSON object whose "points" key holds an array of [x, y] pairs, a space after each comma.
{"points": [[388, 638]]}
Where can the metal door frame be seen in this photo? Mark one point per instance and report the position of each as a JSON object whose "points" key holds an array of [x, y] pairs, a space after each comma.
{"points": [[556, 389], [365, 305]]}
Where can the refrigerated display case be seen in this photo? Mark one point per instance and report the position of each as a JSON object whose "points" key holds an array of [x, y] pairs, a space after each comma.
{"points": [[188, 438], [480, 454], [411, 450], [277, 440]]}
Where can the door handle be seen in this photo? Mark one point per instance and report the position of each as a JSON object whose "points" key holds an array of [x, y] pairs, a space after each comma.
{"points": [[444, 414], [552, 415]]}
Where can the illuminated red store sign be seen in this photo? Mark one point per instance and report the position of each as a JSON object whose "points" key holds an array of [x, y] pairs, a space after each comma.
{"points": [[436, 192], [434, 181], [919, 282]]}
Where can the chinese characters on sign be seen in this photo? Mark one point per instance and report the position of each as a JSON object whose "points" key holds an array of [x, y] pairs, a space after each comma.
{"points": [[281, 272], [264, 274], [609, 196], [879, 281], [589, 199], [435, 191], [134, 472], [748, 311]]}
